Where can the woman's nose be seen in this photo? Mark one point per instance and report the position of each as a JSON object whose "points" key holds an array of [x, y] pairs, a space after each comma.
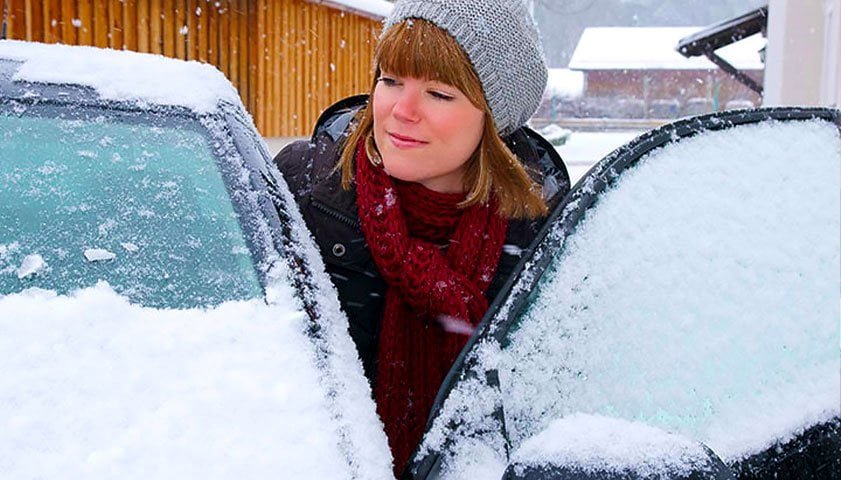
{"points": [[406, 106]]}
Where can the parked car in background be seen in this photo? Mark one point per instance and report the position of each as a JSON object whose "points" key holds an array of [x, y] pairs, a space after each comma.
{"points": [[165, 313]]}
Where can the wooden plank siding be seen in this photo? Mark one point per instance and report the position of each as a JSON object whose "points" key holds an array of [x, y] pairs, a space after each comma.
{"points": [[289, 59]]}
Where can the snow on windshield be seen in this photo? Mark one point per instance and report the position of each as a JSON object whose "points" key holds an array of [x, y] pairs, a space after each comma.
{"points": [[349, 397], [122, 75], [94, 387], [700, 296], [349, 391], [349, 400]]}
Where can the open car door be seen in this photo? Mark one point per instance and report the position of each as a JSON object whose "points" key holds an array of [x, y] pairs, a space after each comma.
{"points": [[678, 318]]}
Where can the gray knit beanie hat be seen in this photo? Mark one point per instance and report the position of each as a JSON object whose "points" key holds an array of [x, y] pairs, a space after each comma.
{"points": [[501, 40]]}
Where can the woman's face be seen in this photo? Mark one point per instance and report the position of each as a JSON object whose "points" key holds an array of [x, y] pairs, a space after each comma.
{"points": [[425, 131]]}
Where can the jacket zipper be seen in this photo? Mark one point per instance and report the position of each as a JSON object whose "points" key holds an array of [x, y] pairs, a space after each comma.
{"points": [[335, 214]]}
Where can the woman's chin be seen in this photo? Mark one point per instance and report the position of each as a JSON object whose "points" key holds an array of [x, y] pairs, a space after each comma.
{"points": [[403, 178]]}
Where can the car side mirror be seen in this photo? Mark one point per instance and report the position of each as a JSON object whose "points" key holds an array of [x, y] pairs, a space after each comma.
{"points": [[593, 447]]}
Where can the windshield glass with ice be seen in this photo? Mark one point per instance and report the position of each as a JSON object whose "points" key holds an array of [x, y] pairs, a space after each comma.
{"points": [[699, 295], [142, 207]]}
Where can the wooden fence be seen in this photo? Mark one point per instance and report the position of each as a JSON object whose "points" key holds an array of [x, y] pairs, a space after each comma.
{"points": [[289, 59]]}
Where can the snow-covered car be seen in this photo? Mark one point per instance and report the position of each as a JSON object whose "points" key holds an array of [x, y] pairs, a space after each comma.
{"points": [[678, 318], [163, 310]]}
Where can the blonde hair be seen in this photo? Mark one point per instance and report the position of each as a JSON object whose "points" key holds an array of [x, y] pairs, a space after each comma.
{"points": [[419, 49]]}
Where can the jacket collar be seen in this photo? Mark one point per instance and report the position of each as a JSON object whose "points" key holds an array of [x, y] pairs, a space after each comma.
{"points": [[326, 179]]}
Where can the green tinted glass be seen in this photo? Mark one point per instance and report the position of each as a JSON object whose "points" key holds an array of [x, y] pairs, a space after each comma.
{"points": [[143, 208]]}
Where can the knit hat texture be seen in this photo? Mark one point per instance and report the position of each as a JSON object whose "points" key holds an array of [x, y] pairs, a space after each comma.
{"points": [[501, 40]]}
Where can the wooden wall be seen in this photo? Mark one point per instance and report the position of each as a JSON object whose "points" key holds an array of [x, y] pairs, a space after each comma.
{"points": [[289, 59]]}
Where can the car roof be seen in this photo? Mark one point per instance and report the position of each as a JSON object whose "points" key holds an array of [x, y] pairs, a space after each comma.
{"points": [[144, 80]]}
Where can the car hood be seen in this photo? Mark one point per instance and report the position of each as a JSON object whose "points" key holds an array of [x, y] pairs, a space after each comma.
{"points": [[96, 387]]}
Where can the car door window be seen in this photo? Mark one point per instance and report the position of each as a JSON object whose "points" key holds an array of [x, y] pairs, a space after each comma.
{"points": [[692, 287], [701, 293], [141, 206]]}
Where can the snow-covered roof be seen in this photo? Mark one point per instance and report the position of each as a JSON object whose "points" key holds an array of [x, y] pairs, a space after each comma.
{"points": [[613, 48], [565, 83], [377, 9], [122, 75]]}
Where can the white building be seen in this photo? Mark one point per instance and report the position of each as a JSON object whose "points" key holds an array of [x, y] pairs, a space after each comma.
{"points": [[803, 57]]}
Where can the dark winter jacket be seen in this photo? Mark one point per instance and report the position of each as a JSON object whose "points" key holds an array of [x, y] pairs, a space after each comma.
{"points": [[331, 215]]}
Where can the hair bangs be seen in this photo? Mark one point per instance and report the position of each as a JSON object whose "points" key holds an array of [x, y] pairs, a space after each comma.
{"points": [[419, 49]]}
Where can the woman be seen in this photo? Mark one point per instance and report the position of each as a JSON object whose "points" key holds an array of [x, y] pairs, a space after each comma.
{"points": [[413, 197]]}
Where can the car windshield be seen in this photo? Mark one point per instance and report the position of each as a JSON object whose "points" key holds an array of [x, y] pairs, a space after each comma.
{"points": [[140, 205]]}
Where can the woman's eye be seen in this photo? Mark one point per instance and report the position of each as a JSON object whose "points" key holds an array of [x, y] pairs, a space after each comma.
{"points": [[388, 81], [441, 95]]}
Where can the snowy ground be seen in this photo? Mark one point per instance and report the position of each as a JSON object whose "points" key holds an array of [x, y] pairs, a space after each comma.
{"points": [[581, 151]]}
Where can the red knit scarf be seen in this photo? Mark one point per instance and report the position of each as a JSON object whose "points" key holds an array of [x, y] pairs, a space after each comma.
{"points": [[437, 261]]}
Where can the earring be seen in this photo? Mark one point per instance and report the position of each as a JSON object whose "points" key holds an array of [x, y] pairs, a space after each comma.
{"points": [[373, 154]]}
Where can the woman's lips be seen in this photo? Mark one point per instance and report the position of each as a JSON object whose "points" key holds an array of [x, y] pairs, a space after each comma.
{"points": [[402, 141]]}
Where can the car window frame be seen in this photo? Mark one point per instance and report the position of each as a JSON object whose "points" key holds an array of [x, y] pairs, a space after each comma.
{"points": [[503, 312]]}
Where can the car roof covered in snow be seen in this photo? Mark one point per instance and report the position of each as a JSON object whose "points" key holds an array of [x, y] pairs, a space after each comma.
{"points": [[114, 75], [650, 48]]}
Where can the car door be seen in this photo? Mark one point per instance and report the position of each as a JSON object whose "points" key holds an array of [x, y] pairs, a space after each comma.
{"points": [[163, 311], [688, 285]]}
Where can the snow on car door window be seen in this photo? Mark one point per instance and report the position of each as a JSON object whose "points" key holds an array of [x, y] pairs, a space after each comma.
{"points": [[699, 295], [142, 207]]}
